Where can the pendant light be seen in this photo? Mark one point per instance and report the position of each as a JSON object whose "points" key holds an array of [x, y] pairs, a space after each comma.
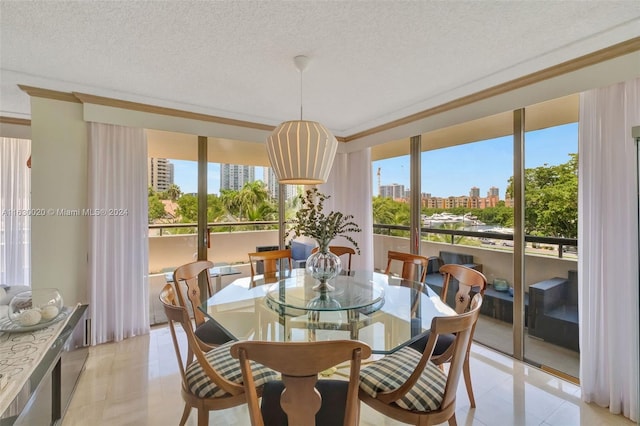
{"points": [[301, 152]]}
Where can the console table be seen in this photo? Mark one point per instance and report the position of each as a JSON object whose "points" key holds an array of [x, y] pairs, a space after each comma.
{"points": [[44, 396]]}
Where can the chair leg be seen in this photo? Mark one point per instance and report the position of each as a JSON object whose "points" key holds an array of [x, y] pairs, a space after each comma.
{"points": [[467, 381], [203, 417], [453, 421], [185, 414]]}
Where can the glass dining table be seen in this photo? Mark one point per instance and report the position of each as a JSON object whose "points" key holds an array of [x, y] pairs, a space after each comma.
{"points": [[383, 311]]}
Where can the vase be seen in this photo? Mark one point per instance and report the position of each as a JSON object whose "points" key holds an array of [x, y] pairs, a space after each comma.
{"points": [[323, 266]]}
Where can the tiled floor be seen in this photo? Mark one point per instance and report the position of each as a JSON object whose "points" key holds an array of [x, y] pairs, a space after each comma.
{"points": [[136, 382]]}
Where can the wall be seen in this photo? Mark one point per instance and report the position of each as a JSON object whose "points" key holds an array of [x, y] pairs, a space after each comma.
{"points": [[59, 244], [230, 247]]}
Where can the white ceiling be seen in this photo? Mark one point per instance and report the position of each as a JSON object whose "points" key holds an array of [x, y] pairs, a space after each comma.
{"points": [[371, 61]]}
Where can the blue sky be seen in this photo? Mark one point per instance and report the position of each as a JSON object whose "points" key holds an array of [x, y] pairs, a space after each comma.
{"points": [[453, 171], [445, 172]]}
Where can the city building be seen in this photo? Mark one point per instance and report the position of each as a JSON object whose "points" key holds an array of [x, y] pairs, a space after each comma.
{"points": [[160, 174], [273, 187], [234, 176], [395, 191]]}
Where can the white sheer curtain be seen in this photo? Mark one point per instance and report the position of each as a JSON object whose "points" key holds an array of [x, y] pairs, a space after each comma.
{"points": [[15, 218], [349, 185], [608, 247], [118, 248]]}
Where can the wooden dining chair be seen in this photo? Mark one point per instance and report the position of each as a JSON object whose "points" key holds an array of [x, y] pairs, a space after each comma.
{"points": [[270, 260], [407, 386], [210, 380], [409, 264], [340, 251], [469, 281], [300, 399], [185, 280]]}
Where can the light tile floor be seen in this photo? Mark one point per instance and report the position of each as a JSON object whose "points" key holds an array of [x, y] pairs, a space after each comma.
{"points": [[136, 382]]}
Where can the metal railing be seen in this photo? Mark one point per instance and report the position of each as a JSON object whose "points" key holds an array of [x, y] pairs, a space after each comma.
{"points": [[265, 224], [562, 243]]}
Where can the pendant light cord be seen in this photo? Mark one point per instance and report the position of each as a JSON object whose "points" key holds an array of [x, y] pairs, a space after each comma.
{"points": [[301, 71]]}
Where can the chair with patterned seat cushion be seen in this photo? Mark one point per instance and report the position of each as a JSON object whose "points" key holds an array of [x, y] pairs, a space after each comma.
{"points": [[468, 281], [187, 287], [210, 380], [407, 386], [300, 399]]}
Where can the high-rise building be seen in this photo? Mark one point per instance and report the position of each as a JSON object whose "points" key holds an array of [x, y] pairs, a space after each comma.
{"points": [[474, 192], [395, 191], [494, 192], [273, 187], [234, 176], [160, 174]]}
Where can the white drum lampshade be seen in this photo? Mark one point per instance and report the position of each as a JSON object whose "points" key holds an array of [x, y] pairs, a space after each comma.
{"points": [[301, 152]]}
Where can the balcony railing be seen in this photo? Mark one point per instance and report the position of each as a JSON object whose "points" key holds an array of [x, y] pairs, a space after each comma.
{"points": [[563, 245], [256, 225]]}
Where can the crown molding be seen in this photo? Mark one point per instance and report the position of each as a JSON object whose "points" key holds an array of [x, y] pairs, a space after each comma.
{"points": [[136, 106], [38, 92], [16, 121]]}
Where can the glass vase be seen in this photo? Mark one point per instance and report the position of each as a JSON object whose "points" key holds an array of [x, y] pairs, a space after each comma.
{"points": [[323, 266]]}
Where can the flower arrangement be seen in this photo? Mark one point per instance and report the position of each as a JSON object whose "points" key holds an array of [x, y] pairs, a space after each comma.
{"points": [[312, 222]]}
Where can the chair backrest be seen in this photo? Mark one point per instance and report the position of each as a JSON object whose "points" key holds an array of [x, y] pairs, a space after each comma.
{"points": [[340, 251], [468, 280], [185, 279], [270, 260], [461, 325], [178, 314], [409, 263], [299, 363]]}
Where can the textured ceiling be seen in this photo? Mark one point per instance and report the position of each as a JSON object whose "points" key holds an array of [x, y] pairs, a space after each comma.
{"points": [[371, 61]]}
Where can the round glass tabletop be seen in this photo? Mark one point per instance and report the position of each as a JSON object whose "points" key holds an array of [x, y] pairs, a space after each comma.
{"points": [[295, 294]]}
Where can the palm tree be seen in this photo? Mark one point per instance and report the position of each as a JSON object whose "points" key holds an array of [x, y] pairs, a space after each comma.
{"points": [[252, 195], [174, 192]]}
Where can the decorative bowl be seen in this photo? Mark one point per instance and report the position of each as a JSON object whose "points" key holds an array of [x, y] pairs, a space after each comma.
{"points": [[500, 284], [33, 307]]}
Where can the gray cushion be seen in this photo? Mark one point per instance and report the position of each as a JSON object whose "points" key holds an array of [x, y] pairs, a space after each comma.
{"points": [[228, 367], [393, 370], [210, 332], [442, 344]]}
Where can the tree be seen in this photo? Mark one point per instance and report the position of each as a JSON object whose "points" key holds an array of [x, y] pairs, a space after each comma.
{"points": [[250, 197], [156, 208], [174, 192], [188, 208], [551, 199]]}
